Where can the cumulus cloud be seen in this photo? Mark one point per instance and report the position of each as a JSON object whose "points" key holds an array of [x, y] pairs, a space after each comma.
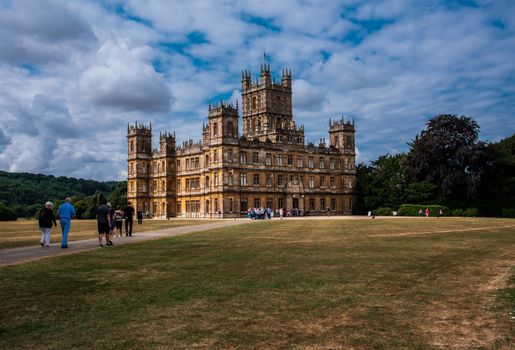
{"points": [[72, 74], [123, 79], [34, 34]]}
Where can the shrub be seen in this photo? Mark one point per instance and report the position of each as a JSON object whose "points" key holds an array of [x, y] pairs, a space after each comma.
{"points": [[508, 212], [457, 212], [412, 209], [6, 214], [470, 212], [382, 211]]}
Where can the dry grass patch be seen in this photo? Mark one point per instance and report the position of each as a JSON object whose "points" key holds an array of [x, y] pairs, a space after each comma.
{"points": [[338, 284]]}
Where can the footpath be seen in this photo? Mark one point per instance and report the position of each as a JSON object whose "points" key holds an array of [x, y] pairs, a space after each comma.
{"points": [[21, 255]]}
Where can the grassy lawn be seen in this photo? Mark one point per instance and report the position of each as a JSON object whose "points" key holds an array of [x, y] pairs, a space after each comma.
{"points": [[26, 233], [312, 284]]}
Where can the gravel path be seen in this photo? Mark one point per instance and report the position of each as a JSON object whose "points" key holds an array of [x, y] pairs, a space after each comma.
{"points": [[20, 255]]}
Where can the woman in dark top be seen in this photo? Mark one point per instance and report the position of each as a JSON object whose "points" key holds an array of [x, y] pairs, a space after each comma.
{"points": [[46, 220]]}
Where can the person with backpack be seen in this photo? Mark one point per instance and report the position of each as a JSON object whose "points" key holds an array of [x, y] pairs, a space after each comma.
{"points": [[104, 224], [118, 221], [46, 220]]}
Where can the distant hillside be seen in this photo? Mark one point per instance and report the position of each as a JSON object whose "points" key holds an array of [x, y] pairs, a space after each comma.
{"points": [[25, 193]]}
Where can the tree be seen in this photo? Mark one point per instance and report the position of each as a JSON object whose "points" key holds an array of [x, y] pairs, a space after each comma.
{"points": [[448, 155], [382, 184], [497, 190]]}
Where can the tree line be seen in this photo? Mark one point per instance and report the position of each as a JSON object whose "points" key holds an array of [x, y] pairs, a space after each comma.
{"points": [[446, 166], [24, 194]]}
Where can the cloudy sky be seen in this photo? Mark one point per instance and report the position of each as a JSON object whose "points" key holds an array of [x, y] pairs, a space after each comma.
{"points": [[73, 73]]}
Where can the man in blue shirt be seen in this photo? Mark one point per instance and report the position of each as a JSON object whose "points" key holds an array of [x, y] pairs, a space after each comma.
{"points": [[65, 213]]}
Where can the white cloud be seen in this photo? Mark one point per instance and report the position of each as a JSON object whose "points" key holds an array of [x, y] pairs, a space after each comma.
{"points": [[72, 74]]}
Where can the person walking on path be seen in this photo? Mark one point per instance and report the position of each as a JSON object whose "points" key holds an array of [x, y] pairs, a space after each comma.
{"points": [[104, 224], [118, 221], [111, 223], [140, 216], [129, 213], [427, 212], [46, 220], [65, 213]]}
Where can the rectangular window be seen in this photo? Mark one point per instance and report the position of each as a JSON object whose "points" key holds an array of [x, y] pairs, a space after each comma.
{"points": [[322, 164], [268, 180], [243, 179], [280, 203], [178, 207], [243, 158], [310, 162], [187, 164], [322, 204], [312, 204], [255, 157], [311, 182], [300, 162], [257, 203], [215, 156], [229, 156], [290, 139], [279, 160], [333, 204], [178, 185], [279, 138], [331, 163], [231, 205], [243, 204], [229, 179], [268, 159], [350, 184], [322, 181], [299, 140], [290, 160], [256, 180], [269, 202], [216, 179], [332, 182], [280, 180], [197, 163]]}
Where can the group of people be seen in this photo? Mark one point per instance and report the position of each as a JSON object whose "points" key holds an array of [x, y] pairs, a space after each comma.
{"points": [[428, 213], [109, 222]]}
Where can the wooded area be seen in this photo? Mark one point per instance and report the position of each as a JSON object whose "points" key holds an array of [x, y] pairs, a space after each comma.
{"points": [[446, 165]]}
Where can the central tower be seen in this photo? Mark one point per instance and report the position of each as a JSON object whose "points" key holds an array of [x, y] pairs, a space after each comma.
{"points": [[267, 106]]}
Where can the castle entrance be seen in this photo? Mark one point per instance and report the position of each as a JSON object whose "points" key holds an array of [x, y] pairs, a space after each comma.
{"points": [[295, 203]]}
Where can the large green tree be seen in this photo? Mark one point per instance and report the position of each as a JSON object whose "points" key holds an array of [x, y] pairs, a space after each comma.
{"points": [[449, 155]]}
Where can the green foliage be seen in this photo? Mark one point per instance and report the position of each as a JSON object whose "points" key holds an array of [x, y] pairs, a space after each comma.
{"points": [[118, 198], [26, 193], [508, 212], [448, 154], [381, 184], [421, 192], [470, 212], [457, 212], [382, 211], [6, 214], [413, 210]]}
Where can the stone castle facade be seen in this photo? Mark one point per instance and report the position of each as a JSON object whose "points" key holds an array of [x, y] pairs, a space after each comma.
{"points": [[268, 165]]}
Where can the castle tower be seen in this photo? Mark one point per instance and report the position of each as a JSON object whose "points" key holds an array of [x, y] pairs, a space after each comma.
{"points": [[139, 141], [223, 124], [267, 105], [341, 135]]}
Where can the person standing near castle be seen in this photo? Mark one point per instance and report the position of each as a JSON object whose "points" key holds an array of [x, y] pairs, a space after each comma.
{"points": [[129, 213], [104, 224], [46, 219], [65, 213]]}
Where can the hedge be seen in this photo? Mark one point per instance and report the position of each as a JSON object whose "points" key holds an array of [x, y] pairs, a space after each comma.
{"points": [[413, 209], [382, 211]]}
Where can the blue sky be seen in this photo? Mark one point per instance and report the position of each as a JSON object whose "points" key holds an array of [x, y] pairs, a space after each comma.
{"points": [[73, 73]]}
